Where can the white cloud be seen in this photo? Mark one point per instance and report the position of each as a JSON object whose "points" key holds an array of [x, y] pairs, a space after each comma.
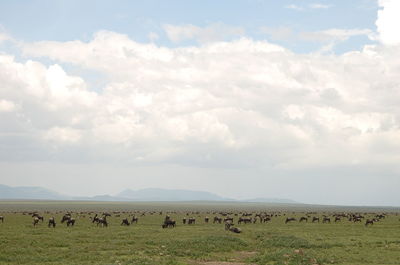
{"points": [[213, 32], [334, 35], [319, 6], [228, 104], [62, 135], [7, 106], [295, 7], [388, 22]]}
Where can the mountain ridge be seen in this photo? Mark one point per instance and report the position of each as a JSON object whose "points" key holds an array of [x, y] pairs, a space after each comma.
{"points": [[147, 194]]}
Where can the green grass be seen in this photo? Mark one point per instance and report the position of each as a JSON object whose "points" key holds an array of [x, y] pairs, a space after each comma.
{"points": [[147, 243]]}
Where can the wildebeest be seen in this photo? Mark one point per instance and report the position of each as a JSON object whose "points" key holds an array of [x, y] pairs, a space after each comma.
{"points": [[102, 221], [289, 219], [303, 219], [52, 222], [125, 221], [192, 221], [337, 219], [265, 219], [245, 220], [38, 216], [369, 222], [35, 221], [230, 226], [315, 219], [134, 219], [206, 219], [184, 220], [168, 222], [95, 219], [217, 220], [68, 219], [326, 220], [2, 219]]}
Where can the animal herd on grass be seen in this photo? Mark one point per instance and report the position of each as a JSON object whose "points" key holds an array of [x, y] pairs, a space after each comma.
{"points": [[219, 218]]}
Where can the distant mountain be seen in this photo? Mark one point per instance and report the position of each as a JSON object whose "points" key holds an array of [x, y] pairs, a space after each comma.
{"points": [[152, 194], [169, 195], [31, 193], [272, 200]]}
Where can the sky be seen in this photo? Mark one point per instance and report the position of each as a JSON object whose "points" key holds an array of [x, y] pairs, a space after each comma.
{"points": [[292, 99]]}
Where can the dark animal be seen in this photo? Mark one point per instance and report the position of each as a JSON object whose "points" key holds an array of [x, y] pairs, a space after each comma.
{"points": [[206, 219], [95, 219], [184, 220], [2, 219], [230, 227], [125, 222], [289, 219], [315, 219], [303, 219], [102, 221], [134, 219], [52, 222], [217, 220], [326, 220], [369, 222], [337, 219], [35, 221], [245, 220], [68, 219], [192, 221], [168, 223]]}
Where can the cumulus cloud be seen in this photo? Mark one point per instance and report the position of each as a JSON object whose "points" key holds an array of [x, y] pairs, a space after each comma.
{"points": [[241, 103], [388, 22], [7, 106], [213, 32]]}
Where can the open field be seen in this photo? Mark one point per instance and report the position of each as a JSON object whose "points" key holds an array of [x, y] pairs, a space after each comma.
{"points": [[273, 242]]}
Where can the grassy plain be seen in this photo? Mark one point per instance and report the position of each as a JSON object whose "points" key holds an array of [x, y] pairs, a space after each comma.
{"points": [[209, 244]]}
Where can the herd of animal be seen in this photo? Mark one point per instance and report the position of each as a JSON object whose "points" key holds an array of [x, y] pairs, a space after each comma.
{"points": [[226, 218]]}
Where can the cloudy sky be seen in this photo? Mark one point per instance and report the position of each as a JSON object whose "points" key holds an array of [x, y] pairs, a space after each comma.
{"points": [[291, 99]]}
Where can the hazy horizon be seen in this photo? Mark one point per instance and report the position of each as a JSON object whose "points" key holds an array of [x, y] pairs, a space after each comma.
{"points": [[278, 99]]}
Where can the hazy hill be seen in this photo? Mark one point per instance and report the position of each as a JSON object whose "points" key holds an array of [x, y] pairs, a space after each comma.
{"points": [[151, 194], [169, 195], [34, 193]]}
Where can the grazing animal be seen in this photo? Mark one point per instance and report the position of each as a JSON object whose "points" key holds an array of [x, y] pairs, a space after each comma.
{"points": [[217, 220], [289, 219], [265, 219], [315, 219], [192, 221], [71, 222], [206, 219], [303, 219], [95, 219], [2, 219], [230, 227], [52, 222], [245, 220], [168, 223], [369, 222], [337, 219], [35, 221], [326, 220], [68, 219], [125, 222], [134, 219], [184, 220], [102, 221]]}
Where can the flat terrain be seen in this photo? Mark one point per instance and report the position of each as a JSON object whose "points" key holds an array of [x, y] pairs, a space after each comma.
{"points": [[274, 242]]}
